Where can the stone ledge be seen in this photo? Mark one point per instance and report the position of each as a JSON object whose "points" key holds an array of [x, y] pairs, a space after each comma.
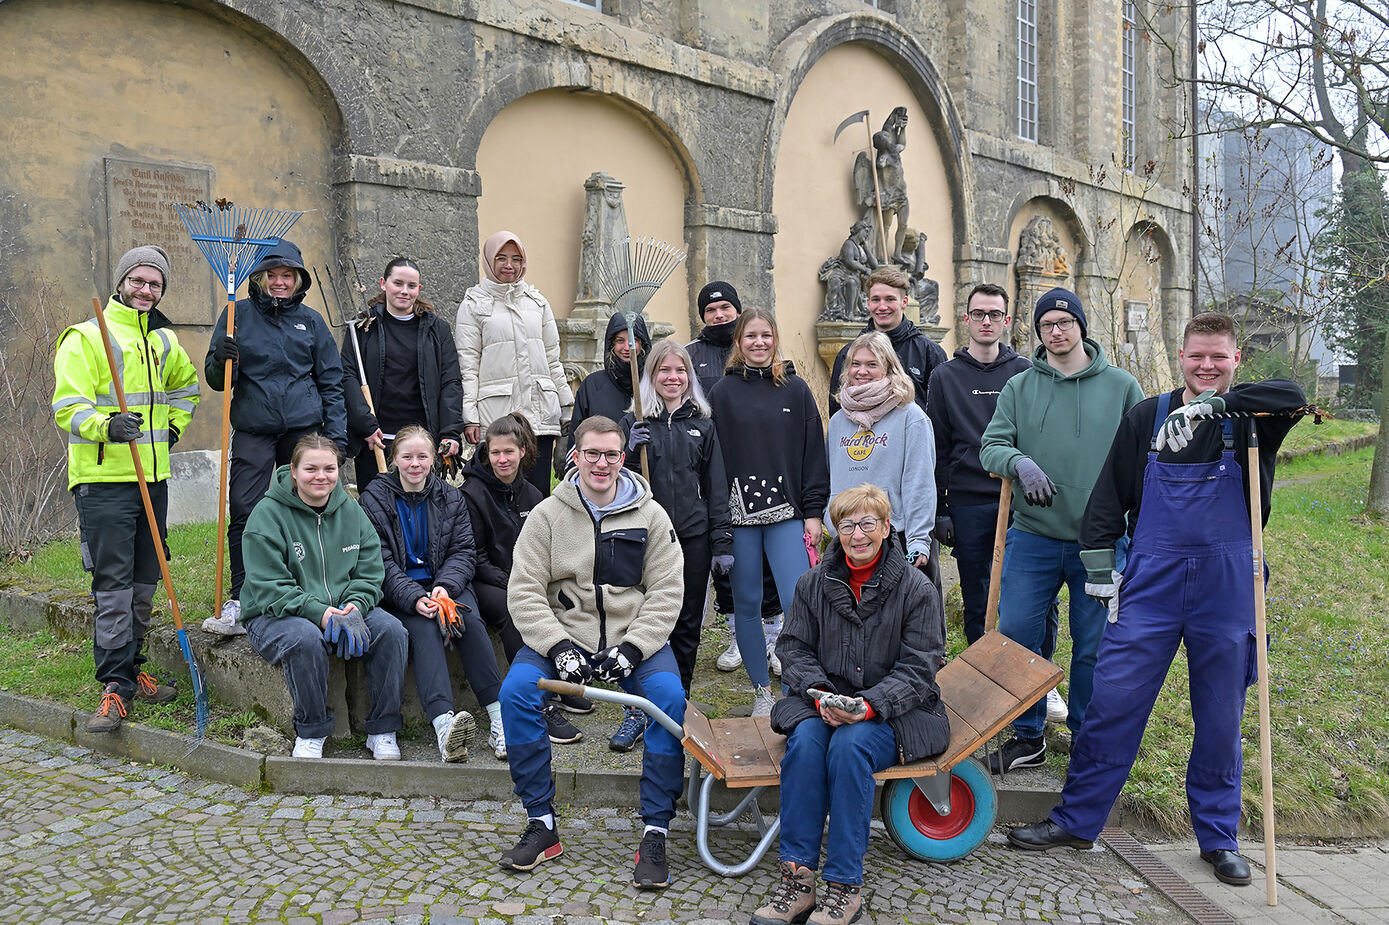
{"points": [[415, 175], [700, 214]]}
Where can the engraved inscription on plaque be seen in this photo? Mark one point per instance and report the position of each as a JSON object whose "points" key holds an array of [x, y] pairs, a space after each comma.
{"points": [[140, 197]]}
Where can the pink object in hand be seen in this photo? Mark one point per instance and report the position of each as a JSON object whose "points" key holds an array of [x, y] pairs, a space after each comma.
{"points": [[811, 551]]}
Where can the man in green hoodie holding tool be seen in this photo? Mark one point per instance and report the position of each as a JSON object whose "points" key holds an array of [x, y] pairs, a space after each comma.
{"points": [[1050, 432]]}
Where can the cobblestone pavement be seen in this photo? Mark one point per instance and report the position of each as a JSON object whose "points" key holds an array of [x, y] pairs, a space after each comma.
{"points": [[89, 839]]}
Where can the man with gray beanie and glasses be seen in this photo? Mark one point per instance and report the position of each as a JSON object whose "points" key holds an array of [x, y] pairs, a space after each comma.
{"points": [[161, 391]]}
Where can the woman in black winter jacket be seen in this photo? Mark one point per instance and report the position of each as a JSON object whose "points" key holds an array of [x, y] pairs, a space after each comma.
{"points": [[608, 391], [427, 547], [411, 368]]}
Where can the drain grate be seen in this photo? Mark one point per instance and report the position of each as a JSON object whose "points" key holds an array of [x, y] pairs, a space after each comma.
{"points": [[1164, 879]]}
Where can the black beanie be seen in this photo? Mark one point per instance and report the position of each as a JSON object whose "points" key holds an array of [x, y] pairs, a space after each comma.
{"points": [[718, 291], [1059, 299]]}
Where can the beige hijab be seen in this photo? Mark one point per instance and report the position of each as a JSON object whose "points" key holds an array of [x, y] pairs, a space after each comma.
{"points": [[493, 245]]}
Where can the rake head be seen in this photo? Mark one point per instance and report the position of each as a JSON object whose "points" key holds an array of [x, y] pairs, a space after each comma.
{"points": [[234, 239], [638, 268]]}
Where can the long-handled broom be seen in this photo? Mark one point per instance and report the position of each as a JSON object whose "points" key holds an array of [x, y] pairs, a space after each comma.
{"points": [[638, 268], [199, 691], [233, 240]]}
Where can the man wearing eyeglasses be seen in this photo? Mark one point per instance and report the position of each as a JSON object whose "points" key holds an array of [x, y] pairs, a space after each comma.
{"points": [[161, 391], [962, 397], [595, 591], [1050, 432]]}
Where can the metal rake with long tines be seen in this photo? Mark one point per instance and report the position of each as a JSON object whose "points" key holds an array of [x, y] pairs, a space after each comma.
{"points": [[638, 268], [233, 240]]}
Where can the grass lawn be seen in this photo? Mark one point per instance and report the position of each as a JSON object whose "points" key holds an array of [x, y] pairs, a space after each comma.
{"points": [[1307, 434]]}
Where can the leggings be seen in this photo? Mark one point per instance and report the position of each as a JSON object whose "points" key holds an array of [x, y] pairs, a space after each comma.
{"points": [[784, 546]]}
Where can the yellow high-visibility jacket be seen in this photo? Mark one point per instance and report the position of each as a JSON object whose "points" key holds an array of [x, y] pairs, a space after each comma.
{"points": [[159, 381]]}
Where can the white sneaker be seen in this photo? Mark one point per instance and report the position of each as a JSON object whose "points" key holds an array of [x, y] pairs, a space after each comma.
{"points": [[453, 730], [773, 663], [307, 748], [497, 739], [383, 747], [729, 659], [228, 622], [1056, 707], [762, 700]]}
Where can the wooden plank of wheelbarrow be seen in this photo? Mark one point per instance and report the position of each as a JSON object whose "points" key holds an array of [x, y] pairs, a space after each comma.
{"points": [[1025, 674], [699, 740], [739, 746]]}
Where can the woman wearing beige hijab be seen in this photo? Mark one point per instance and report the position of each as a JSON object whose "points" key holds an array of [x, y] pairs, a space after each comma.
{"points": [[508, 353]]}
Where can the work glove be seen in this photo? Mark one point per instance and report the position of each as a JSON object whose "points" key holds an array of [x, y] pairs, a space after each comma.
{"points": [[616, 663], [226, 350], [945, 530], [446, 609], [1102, 579], [1037, 489], [721, 565], [124, 426], [640, 435], [1177, 430], [570, 663], [348, 631]]}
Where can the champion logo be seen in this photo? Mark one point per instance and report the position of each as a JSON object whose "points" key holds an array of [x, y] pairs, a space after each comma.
{"points": [[983, 392]]}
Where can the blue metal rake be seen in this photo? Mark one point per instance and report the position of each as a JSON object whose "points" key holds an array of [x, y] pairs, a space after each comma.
{"points": [[233, 240]]}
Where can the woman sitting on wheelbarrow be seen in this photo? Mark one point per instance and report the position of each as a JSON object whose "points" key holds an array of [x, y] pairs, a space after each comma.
{"points": [[858, 652]]}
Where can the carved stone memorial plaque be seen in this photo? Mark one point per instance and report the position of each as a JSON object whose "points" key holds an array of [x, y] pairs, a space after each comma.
{"points": [[140, 197]]}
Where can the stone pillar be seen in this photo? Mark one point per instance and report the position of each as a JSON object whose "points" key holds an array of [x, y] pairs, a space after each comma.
{"points": [[730, 244], [975, 264]]}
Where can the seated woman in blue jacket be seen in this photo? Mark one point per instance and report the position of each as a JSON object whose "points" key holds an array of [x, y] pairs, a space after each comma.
{"points": [[862, 629], [428, 551]]}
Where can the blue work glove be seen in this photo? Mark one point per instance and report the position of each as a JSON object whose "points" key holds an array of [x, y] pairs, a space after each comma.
{"points": [[1177, 430], [944, 531], [570, 664], [124, 426], [1037, 489], [640, 435], [616, 663], [348, 631], [721, 565]]}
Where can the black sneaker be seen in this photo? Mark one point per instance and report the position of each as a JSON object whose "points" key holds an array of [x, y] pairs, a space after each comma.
{"points": [[573, 703], [562, 732], [630, 732], [1019, 753], [538, 843], [651, 872]]}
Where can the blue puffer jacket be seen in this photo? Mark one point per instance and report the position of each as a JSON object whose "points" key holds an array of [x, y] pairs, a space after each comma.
{"points": [[289, 374]]}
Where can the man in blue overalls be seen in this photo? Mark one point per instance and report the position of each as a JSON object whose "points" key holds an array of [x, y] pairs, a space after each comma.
{"points": [[1181, 484]]}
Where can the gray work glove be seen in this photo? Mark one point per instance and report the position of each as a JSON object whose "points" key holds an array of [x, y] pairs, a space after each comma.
{"points": [[124, 426], [640, 436], [348, 631], [1177, 430], [1037, 488], [570, 664]]}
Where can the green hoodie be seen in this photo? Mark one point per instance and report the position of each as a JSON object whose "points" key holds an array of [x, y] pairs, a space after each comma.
{"points": [[1065, 424], [300, 562]]}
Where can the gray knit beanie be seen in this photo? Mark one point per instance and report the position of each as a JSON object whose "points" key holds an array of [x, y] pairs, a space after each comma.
{"points": [[147, 255]]}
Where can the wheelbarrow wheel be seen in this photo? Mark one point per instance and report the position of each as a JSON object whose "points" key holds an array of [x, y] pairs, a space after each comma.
{"points": [[913, 823]]}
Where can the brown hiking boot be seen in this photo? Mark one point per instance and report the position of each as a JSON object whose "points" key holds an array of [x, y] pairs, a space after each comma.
{"points": [[109, 716], [841, 905], [791, 900], [148, 690]]}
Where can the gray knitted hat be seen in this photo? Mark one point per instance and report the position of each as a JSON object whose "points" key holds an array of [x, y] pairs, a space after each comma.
{"points": [[147, 255]]}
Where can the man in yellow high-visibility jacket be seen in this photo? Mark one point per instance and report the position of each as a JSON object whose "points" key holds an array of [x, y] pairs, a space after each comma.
{"points": [[161, 391]]}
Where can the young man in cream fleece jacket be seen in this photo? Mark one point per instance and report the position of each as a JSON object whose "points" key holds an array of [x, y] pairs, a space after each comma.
{"points": [[595, 590]]}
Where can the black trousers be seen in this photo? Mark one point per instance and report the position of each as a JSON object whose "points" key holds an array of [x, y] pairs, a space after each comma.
{"points": [[491, 603], [684, 638], [253, 461], [118, 550]]}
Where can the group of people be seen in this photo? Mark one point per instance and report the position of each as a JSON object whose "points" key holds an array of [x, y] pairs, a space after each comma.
{"points": [[711, 460]]}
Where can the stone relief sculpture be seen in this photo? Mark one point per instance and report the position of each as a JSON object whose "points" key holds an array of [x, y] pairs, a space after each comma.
{"points": [[844, 275], [1041, 264]]}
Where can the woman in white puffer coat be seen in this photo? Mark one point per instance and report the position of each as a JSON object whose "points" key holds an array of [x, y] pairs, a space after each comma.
{"points": [[508, 353]]}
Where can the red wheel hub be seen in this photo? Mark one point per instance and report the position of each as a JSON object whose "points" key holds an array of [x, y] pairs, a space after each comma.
{"points": [[931, 823]]}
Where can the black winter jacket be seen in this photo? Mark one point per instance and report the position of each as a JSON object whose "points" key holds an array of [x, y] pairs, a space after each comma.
{"points": [[288, 375], [709, 353], [608, 391], [440, 382], [451, 554], [497, 512], [687, 476], [884, 648], [963, 395], [919, 355]]}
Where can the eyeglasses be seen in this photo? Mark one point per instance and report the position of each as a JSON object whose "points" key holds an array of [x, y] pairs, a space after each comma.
{"points": [[867, 525], [981, 315], [612, 456], [1064, 324], [137, 284]]}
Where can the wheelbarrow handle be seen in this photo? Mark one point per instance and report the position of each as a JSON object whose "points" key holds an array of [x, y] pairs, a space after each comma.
{"points": [[565, 688]]}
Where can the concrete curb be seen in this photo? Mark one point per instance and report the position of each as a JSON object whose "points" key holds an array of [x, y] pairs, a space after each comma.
{"points": [[1334, 448]]}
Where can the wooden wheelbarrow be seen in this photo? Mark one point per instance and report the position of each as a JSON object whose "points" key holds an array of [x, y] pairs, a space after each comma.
{"points": [[935, 810]]}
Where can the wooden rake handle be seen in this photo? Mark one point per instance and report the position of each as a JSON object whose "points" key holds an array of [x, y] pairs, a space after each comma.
{"points": [[1005, 501]]}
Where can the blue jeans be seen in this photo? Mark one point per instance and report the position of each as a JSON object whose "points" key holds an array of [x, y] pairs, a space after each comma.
{"points": [[528, 743], [829, 772], [974, 548], [784, 546], [1034, 569]]}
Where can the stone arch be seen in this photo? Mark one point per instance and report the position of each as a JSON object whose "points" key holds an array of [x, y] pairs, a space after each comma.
{"points": [[1048, 193], [1150, 277]]}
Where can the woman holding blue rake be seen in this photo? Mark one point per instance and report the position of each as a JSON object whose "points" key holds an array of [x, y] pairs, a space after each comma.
{"points": [[287, 383]]}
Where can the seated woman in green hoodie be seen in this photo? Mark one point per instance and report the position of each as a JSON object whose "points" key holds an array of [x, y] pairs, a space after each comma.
{"points": [[313, 582]]}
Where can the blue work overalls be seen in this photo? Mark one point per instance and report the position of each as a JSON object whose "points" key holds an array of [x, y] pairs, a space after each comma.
{"points": [[1188, 579]]}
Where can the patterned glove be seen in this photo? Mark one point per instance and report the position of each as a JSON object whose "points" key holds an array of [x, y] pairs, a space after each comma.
{"points": [[570, 663], [1178, 430], [616, 663]]}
